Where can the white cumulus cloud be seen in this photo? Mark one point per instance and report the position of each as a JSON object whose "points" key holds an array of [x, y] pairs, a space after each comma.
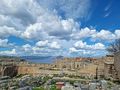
{"points": [[84, 45], [8, 31], [8, 52], [42, 43], [104, 35], [117, 33], [55, 45], [3, 42]]}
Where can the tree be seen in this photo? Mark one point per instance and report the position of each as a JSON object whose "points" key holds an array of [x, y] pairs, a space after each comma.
{"points": [[114, 47]]}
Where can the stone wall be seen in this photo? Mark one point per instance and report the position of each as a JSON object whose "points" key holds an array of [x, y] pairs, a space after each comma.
{"points": [[105, 66], [108, 70], [26, 70], [66, 66], [76, 66], [73, 63], [117, 64]]}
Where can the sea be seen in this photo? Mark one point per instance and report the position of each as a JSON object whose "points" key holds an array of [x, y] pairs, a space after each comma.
{"points": [[41, 59]]}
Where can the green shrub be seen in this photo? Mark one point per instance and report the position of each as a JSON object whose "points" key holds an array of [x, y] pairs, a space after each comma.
{"points": [[38, 88]]}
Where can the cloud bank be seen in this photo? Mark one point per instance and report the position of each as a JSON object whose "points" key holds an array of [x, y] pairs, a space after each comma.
{"points": [[50, 27]]}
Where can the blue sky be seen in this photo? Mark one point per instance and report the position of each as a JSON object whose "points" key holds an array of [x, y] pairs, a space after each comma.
{"points": [[58, 27]]}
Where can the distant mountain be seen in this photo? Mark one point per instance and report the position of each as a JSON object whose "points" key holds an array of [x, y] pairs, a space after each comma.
{"points": [[59, 57], [15, 58], [41, 59]]}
